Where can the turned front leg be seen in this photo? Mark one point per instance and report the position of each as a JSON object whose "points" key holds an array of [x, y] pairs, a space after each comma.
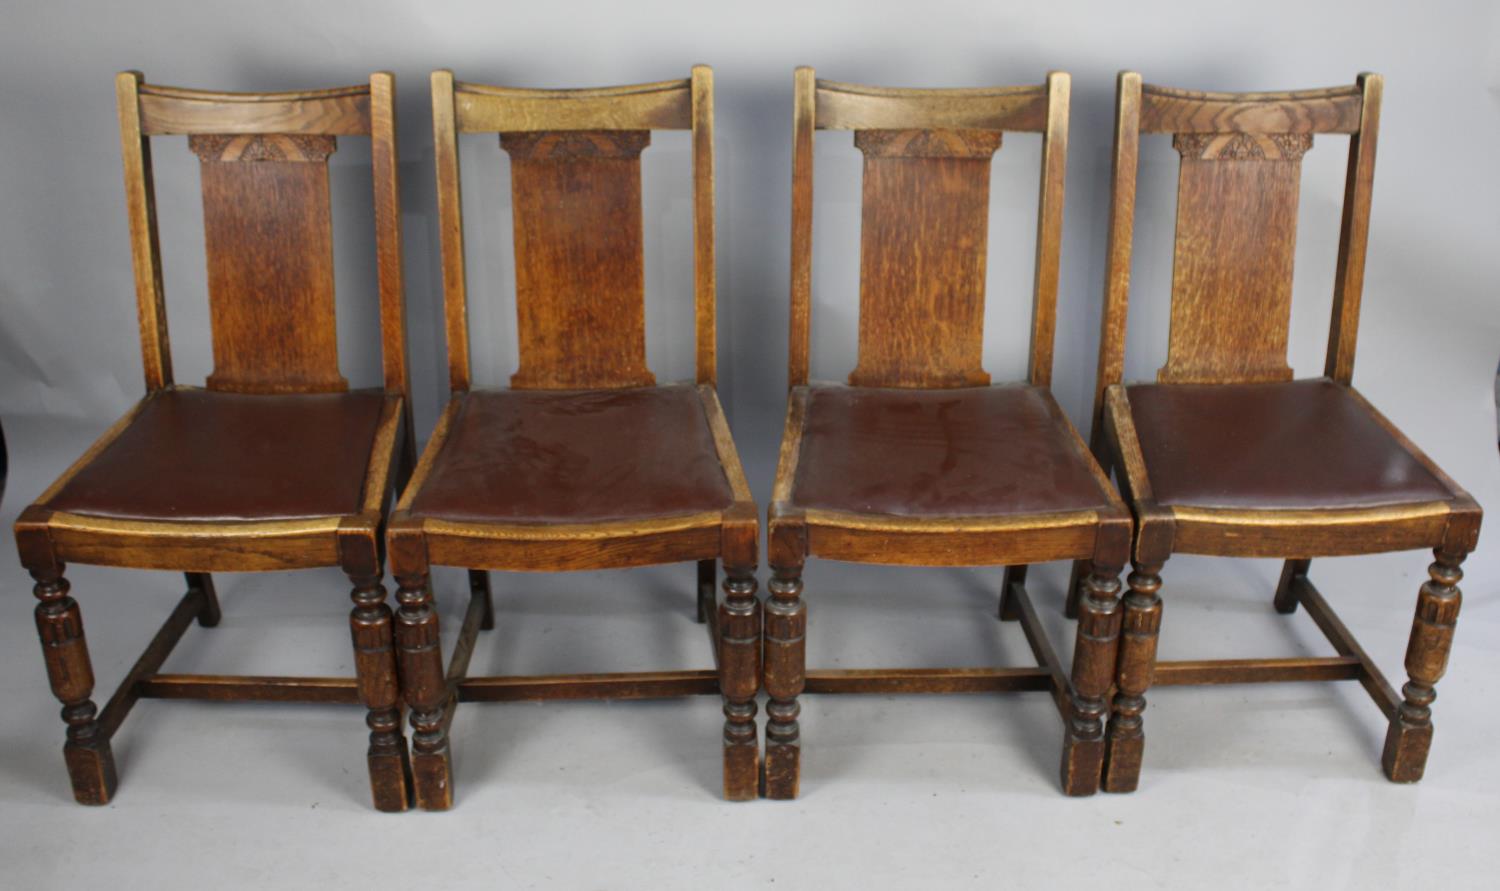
{"points": [[425, 689], [1094, 657], [1139, 627], [1410, 735], [786, 674], [375, 669], [739, 629], [59, 624]]}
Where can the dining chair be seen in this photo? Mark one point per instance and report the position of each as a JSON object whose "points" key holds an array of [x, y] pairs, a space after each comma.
{"points": [[1228, 455], [585, 462], [919, 460], [275, 463]]}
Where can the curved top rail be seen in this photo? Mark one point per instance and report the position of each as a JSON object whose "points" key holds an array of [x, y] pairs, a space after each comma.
{"points": [[663, 105], [1323, 110], [846, 106], [167, 111]]}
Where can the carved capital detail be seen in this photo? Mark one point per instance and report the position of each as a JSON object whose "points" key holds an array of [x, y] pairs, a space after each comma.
{"points": [[978, 144], [558, 145], [1242, 146], [262, 147]]}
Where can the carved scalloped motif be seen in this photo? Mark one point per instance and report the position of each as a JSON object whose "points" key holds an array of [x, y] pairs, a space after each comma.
{"points": [[1243, 146], [927, 143], [262, 147], [565, 144]]}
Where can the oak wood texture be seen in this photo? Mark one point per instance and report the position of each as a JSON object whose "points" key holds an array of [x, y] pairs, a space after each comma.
{"points": [[575, 173], [1230, 310], [269, 254], [924, 246]]}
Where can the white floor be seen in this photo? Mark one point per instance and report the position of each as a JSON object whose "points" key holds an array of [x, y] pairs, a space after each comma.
{"points": [[1244, 787]]}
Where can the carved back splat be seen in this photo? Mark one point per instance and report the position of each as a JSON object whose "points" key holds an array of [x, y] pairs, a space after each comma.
{"points": [[924, 237], [922, 257], [580, 288], [269, 237], [1232, 273]]}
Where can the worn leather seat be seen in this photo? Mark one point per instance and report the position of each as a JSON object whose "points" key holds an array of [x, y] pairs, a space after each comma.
{"points": [[1295, 445], [980, 451], [198, 455], [576, 456]]}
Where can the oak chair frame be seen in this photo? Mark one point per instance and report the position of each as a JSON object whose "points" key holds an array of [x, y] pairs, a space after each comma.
{"points": [[796, 533], [1450, 527], [47, 538], [730, 535]]}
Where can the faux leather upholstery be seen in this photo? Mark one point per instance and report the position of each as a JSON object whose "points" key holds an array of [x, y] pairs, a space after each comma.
{"points": [[199, 455], [982, 451], [1294, 445], [576, 456]]}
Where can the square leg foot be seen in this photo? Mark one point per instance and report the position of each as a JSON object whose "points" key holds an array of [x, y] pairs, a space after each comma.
{"points": [[741, 772], [1122, 763], [91, 768], [1082, 765], [783, 771], [1406, 748], [390, 780], [432, 780]]}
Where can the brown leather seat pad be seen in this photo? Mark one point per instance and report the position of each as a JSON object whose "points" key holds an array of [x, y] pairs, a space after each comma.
{"points": [[198, 455], [576, 456], [983, 451], [1293, 445]]}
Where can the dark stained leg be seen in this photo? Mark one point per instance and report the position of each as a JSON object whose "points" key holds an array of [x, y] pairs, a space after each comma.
{"points": [[1075, 588], [1013, 575], [202, 582], [1286, 597], [785, 676], [708, 582], [479, 586], [739, 625], [91, 763], [1094, 657], [1438, 603], [1137, 663], [375, 670], [425, 689]]}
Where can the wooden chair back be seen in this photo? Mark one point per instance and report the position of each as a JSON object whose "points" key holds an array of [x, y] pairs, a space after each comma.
{"points": [[924, 223], [576, 199], [267, 226], [1237, 225]]}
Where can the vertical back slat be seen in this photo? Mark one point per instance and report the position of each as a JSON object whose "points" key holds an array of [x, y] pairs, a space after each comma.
{"points": [[268, 228], [705, 273], [450, 229], [145, 249], [923, 246], [804, 103], [1354, 232], [1049, 229], [1232, 268], [579, 247]]}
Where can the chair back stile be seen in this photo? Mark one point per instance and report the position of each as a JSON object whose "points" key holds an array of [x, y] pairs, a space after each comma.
{"points": [[924, 242], [576, 199]]}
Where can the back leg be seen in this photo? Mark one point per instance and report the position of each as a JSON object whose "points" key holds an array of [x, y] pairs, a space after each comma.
{"points": [[1286, 599], [202, 582], [1014, 575], [479, 586], [708, 579]]}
